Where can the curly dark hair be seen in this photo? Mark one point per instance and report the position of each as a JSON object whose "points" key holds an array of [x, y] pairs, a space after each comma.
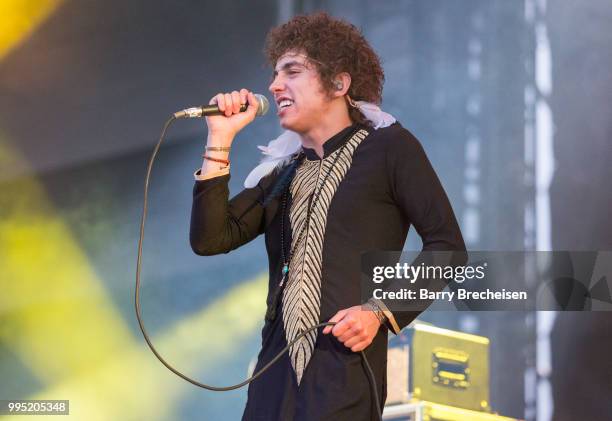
{"points": [[333, 46]]}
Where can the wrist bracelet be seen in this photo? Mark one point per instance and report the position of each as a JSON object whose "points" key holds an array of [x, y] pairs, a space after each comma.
{"points": [[380, 315], [218, 148], [221, 161]]}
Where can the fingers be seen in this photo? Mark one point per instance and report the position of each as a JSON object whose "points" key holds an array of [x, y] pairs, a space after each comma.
{"points": [[351, 329], [346, 327], [219, 99], [244, 96], [337, 317], [356, 338], [229, 103], [360, 346], [236, 104], [253, 103]]}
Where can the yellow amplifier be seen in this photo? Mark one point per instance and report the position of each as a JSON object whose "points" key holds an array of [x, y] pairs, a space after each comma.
{"points": [[439, 365], [429, 411]]}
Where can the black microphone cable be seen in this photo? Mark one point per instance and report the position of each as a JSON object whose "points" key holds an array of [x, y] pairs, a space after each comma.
{"points": [[368, 369]]}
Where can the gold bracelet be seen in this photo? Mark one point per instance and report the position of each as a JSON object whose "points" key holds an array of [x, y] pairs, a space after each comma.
{"points": [[218, 148]]}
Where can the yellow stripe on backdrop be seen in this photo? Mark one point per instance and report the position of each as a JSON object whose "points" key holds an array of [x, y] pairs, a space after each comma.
{"points": [[19, 18], [54, 309], [58, 319]]}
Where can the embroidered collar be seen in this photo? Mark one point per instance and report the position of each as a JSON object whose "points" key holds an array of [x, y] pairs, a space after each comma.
{"points": [[332, 144]]}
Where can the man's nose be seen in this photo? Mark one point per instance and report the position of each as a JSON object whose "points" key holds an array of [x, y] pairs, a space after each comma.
{"points": [[276, 85]]}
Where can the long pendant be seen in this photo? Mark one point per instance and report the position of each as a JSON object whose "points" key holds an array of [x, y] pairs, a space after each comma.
{"points": [[271, 311], [285, 271]]}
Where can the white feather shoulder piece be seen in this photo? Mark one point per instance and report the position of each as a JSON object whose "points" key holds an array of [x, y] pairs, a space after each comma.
{"points": [[276, 154], [377, 116]]}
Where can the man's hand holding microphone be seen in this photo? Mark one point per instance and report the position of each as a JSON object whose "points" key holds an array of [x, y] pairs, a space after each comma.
{"points": [[223, 128]]}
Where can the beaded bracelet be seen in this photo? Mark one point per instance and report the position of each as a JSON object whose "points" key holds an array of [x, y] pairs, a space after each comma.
{"points": [[380, 315], [221, 161]]}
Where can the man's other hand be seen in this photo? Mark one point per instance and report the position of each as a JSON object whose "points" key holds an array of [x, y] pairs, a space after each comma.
{"points": [[355, 328]]}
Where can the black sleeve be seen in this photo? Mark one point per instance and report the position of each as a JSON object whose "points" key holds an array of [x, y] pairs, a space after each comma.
{"points": [[417, 191], [219, 225]]}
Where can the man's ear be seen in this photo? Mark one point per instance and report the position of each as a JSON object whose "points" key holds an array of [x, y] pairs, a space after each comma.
{"points": [[342, 83]]}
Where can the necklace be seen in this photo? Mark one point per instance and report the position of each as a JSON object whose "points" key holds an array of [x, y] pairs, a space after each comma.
{"points": [[311, 204]]}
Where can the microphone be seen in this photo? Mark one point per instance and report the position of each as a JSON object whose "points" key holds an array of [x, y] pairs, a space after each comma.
{"points": [[213, 109]]}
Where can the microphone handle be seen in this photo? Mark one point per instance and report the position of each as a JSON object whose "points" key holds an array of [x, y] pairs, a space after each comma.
{"points": [[213, 109], [204, 110]]}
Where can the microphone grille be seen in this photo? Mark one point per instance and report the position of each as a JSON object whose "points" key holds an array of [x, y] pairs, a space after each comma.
{"points": [[264, 104]]}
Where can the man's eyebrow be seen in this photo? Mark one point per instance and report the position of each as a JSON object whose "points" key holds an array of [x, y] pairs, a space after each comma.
{"points": [[289, 64]]}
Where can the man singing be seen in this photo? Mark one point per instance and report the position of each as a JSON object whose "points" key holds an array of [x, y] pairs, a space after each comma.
{"points": [[343, 179]]}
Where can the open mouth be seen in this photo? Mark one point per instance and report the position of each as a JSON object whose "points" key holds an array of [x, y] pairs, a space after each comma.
{"points": [[284, 104]]}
